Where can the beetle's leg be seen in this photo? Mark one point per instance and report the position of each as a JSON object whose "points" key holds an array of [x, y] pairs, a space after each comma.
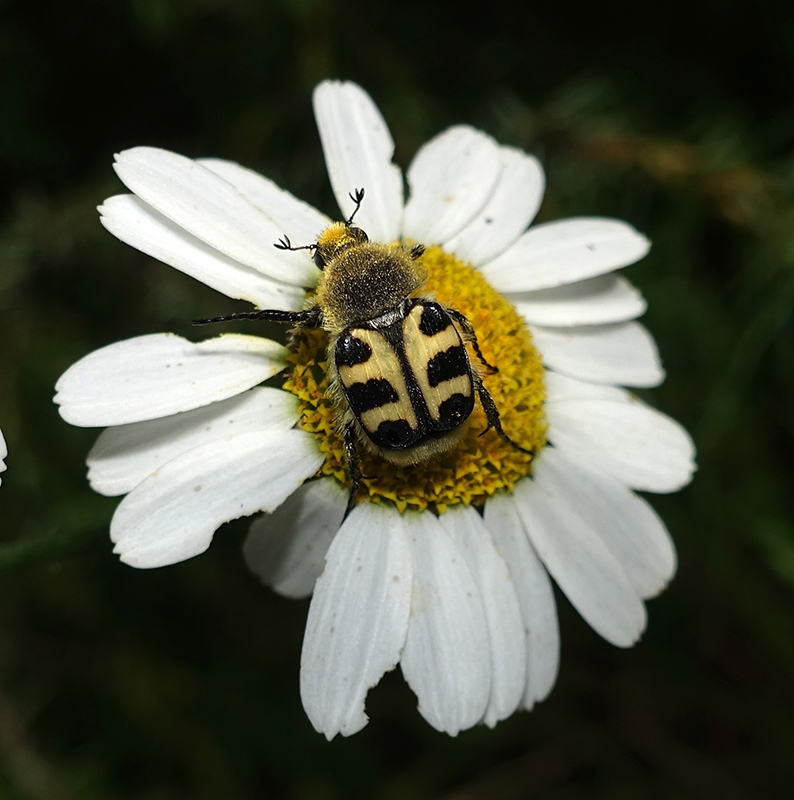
{"points": [[470, 335], [492, 414], [351, 457], [310, 318]]}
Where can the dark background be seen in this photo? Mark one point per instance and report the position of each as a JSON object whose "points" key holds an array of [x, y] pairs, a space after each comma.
{"points": [[183, 682]]}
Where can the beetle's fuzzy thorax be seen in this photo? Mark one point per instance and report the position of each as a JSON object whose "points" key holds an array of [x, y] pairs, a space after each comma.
{"points": [[364, 280]]}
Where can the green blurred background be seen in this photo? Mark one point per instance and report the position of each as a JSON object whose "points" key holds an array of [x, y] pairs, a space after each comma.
{"points": [[183, 682]]}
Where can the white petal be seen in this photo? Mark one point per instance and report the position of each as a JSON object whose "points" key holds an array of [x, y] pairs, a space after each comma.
{"points": [[638, 539], [3, 453], [535, 596], [622, 353], [125, 455], [506, 632], [299, 221], [174, 513], [625, 523], [627, 439], [607, 298], [451, 179], [357, 619], [161, 374], [447, 660], [512, 206], [561, 387], [358, 150], [566, 251], [210, 208], [133, 221], [567, 513], [287, 548]]}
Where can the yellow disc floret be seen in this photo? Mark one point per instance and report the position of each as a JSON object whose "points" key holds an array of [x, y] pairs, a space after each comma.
{"points": [[480, 465]]}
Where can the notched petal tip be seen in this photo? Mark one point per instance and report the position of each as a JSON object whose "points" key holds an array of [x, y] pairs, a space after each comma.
{"points": [[144, 558], [631, 639], [357, 619]]}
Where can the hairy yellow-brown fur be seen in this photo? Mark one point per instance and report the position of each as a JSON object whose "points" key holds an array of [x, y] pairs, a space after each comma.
{"points": [[362, 279]]}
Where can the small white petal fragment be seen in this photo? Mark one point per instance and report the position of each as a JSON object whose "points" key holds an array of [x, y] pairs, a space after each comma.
{"points": [[451, 179], [357, 620], [627, 439], [3, 454], [566, 251], [298, 220], [287, 549], [505, 625], [135, 222], [535, 596], [125, 455], [447, 660], [211, 209], [174, 513], [622, 353], [567, 512], [512, 206], [161, 374], [358, 151], [605, 299]]}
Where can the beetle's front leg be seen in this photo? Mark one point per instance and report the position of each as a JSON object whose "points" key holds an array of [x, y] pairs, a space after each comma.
{"points": [[309, 318]]}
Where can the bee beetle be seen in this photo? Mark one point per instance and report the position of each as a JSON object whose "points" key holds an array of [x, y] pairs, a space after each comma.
{"points": [[399, 374]]}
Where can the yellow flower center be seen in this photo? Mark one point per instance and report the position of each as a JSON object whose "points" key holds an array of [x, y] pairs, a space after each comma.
{"points": [[479, 466]]}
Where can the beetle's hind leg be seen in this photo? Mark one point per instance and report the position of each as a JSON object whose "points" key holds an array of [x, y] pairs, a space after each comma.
{"points": [[470, 336], [492, 415], [353, 469], [491, 411]]}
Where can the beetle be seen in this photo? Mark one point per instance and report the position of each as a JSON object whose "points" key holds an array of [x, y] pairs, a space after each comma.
{"points": [[400, 377]]}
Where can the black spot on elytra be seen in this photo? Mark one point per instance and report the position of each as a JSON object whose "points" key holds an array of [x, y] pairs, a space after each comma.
{"points": [[433, 320], [351, 351], [454, 410], [376, 392], [394, 435], [447, 365]]}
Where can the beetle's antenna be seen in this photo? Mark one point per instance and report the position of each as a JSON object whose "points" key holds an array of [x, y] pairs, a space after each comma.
{"points": [[357, 196], [285, 244]]}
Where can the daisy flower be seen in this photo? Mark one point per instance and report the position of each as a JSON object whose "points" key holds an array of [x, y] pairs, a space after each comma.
{"points": [[442, 568]]}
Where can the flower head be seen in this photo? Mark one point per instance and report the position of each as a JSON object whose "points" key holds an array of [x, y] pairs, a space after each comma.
{"points": [[442, 567]]}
